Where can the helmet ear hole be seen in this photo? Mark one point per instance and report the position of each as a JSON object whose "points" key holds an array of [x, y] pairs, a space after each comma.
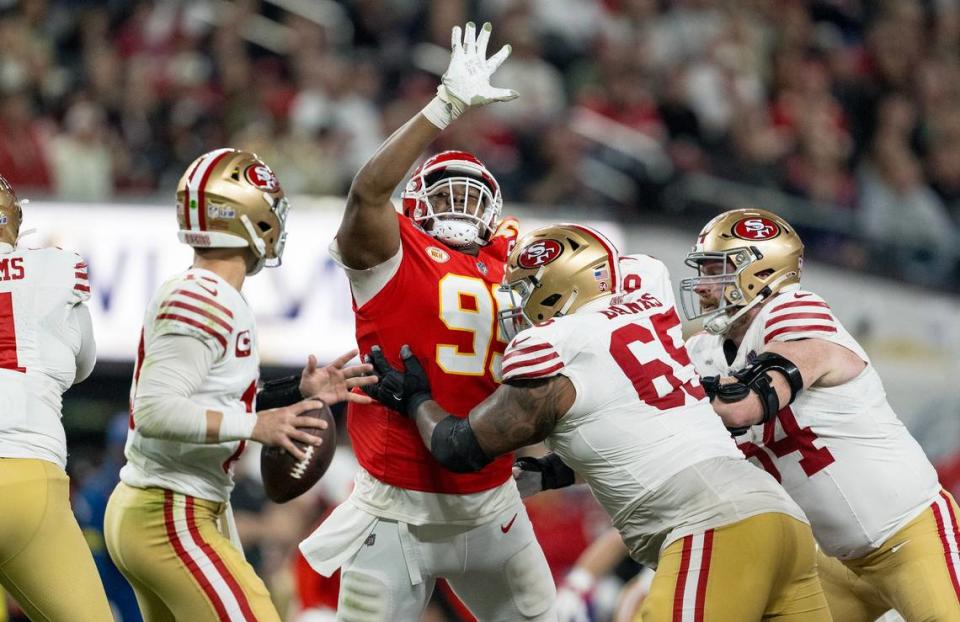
{"points": [[264, 226], [551, 300]]}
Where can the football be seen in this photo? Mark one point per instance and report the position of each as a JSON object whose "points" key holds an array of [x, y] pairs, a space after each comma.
{"points": [[285, 477]]}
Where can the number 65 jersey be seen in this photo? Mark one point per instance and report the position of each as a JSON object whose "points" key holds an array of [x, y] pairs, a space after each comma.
{"points": [[641, 420], [841, 452]]}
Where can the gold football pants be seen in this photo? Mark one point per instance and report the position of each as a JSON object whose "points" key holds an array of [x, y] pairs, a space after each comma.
{"points": [[915, 572], [180, 565], [45, 563], [760, 568]]}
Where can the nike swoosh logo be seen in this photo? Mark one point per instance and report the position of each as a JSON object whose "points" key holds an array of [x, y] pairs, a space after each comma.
{"points": [[506, 528], [802, 295], [519, 341], [897, 547]]}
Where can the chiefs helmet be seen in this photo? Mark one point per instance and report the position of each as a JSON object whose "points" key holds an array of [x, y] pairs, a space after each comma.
{"points": [[760, 254], [11, 214], [465, 221], [555, 270], [230, 199]]}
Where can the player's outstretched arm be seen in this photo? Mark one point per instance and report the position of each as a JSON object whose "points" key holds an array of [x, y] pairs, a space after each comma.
{"points": [[369, 233], [515, 415]]}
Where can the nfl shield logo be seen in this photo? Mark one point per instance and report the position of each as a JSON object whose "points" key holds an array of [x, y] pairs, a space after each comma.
{"points": [[482, 267]]}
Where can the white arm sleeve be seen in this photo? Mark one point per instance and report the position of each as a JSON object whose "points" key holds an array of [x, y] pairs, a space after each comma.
{"points": [[87, 355], [367, 283], [171, 373]]}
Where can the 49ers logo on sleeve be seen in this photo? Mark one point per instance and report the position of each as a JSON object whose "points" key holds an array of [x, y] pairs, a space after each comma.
{"points": [[540, 253], [756, 229], [262, 177]]}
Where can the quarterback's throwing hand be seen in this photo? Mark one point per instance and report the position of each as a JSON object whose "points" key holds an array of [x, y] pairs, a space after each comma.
{"points": [[281, 426]]}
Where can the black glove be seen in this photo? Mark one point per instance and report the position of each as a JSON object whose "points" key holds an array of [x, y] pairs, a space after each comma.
{"points": [[710, 385], [553, 471], [402, 391]]}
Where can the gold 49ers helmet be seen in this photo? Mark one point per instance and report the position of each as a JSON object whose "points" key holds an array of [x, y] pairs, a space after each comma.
{"points": [[11, 214], [751, 254], [230, 199], [555, 270]]}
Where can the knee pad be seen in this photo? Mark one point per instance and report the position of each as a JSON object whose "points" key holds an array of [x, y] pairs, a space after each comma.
{"points": [[363, 598], [530, 581]]}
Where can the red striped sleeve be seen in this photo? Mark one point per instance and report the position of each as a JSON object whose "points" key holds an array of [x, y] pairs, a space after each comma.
{"points": [[799, 313], [205, 328], [205, 300], [170, 306], [536, 359]]}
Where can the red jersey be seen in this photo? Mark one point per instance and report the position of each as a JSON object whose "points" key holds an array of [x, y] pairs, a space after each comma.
{"points": [[443, 304]]}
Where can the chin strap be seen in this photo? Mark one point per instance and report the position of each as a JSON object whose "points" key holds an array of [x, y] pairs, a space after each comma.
{"points": [[721, 323]]}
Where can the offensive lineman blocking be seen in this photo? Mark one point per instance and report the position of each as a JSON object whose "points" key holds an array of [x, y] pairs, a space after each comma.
{"points": [[600, 374], [820, 424]]}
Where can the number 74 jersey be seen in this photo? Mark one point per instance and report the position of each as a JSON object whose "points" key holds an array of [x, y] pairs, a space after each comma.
{"points": [[841, 452]]}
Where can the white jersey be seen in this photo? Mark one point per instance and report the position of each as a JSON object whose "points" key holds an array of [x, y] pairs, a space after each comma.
{"points": [[39, 344], [841, 452], [200, 304], [641, 426]]}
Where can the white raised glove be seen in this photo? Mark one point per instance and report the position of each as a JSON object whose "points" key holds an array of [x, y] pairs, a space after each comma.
{"points": [[467, 79]]}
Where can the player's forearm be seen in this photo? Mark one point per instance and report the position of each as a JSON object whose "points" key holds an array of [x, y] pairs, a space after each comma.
{"points": [[376, 181], [175, 418], [428, 415], [164, 406]]}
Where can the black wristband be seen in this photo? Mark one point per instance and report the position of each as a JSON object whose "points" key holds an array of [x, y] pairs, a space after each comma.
{"points": [[279, 393]]}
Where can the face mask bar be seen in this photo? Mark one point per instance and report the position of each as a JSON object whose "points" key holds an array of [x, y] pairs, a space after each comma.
{"points": [[726, 282], [280, 208], [512, 319], [479, 213]]}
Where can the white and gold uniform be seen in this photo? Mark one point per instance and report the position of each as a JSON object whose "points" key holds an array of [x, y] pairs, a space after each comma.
{"points": [[168, 521], [729, 543], [46, 346], [870, 493]]}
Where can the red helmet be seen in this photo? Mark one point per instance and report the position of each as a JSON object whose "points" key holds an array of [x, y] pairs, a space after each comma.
{"points": [[464, 221]]}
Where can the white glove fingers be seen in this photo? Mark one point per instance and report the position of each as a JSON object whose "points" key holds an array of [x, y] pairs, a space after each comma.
{"points": [[455, 39], [497, 59], [470, 39], [483, 39], [500, 95]]}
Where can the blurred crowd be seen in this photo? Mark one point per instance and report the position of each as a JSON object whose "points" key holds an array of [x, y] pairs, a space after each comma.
{"points": [[852, 104]]}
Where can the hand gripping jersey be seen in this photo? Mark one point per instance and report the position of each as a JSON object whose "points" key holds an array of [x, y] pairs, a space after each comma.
{"points": [[442, 303], [640, 417], [39, 342], [199, 304], [841, 452]]}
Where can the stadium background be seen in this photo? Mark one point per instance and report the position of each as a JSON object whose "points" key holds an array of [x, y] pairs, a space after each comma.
{"points": [[643, 117]]}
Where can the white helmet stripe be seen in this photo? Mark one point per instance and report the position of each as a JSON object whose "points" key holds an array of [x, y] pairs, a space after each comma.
{"points": [[195, 208]]}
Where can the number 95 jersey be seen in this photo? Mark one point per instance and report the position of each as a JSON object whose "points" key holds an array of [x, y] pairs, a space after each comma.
{"points": [[841, 452], [443, 304]]}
